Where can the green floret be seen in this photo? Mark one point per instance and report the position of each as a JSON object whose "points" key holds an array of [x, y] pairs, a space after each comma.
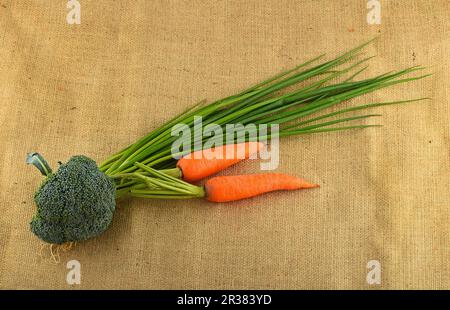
{"points": [[75, 203]]}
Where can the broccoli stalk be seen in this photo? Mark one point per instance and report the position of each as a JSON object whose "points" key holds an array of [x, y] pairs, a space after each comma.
{"points": [[75, 203]]}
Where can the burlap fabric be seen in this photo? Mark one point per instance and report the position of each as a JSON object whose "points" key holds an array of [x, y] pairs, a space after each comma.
{"points": [[131, 65]]}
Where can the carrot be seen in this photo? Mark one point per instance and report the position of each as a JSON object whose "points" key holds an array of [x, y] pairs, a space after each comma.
{"points": [[231, 188], [197, 166]]}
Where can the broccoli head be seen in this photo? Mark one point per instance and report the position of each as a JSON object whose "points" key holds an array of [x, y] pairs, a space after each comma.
{"points": [[75, 203]]}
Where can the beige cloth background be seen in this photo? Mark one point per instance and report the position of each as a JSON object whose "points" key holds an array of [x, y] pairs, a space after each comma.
{"points": [[96, 87]]}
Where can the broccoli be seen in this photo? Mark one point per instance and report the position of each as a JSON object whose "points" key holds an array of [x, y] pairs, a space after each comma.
{"points": [[75, 203]]}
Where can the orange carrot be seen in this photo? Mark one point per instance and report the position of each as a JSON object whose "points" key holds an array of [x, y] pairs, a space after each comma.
{"points": [[199, 165], [230, 188]]}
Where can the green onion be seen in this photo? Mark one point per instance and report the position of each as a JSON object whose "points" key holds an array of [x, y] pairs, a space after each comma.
{"points": [[317, 89]]}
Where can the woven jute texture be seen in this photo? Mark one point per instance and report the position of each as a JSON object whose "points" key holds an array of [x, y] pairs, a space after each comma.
{"points": [[96, 87]]}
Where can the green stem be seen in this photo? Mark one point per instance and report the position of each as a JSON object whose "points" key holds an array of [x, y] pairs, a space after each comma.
{"points": [[39, 162], [174, 172]]}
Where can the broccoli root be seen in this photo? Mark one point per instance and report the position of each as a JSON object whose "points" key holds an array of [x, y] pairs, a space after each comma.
{"points": [[75, 203]]}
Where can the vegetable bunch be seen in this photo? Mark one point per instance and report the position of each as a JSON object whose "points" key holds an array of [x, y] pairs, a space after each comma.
{"points": [[295, 100]]}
